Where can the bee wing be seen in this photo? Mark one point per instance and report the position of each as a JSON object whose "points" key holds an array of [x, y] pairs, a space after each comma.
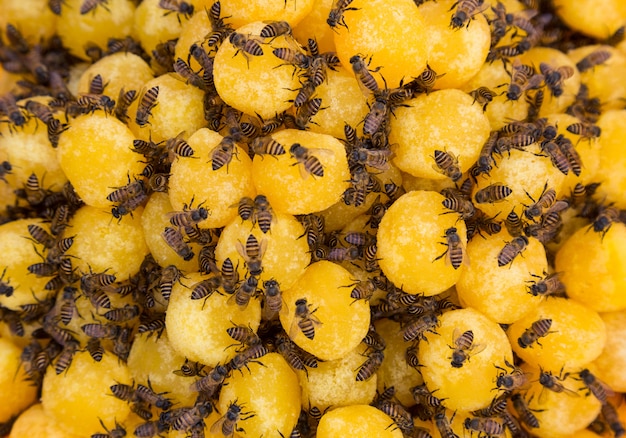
{"points": [[216, 428], [262, 247], [294, 328], [321, 153], [303, 172], [241, 249]]}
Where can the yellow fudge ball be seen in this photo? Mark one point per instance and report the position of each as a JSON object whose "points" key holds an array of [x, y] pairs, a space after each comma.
{"points": [[330, 323], [153, 358], [392, 34], [610, 172], [593, 267], [95, 153], [554, 59], [154, 219], [596, 19], [29, 151], [32, 18], [358, 421], [410, 238], [17, 391], [563, 413], [457, 54], [284, 254], [34, 422], [17, 253], [574, 337], [111, 20], [314, 26], [526, 173], [288, 185], [154, 25], [423, 126], [194, 31], [241, 12], [101, 243], [467, 387], [269, 392], [80, 397], [259, 83], [197, 328], [333, 383], [609, 364], [602, 80], [500, 110], [501, 292], [119, 71], [216, 190], [178, 108], [395, 371], [342, 102]]}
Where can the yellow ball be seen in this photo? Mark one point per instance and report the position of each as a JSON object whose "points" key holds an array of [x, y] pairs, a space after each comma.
{"points": [[357, 421], [331, 323], [608, 364], [592, 267], [34, 422], [575, 336], [17, 391], [611, 160], [32, 18], [410, 238], [241, 12], [467, 387], [423, 127], [154, 25], [596, 19]]}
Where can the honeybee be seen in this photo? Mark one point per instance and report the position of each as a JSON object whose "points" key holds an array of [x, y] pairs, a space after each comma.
{"points": [[464, 347], [91, 5], [545, 201], [418, 327], [547, 285], [227, 425], [554, 77], [335, 16], [124, 100], [262, 213], [398, 413], [118, 432], [523, 78], [592, 60], [377, 115], [122, 314], [455, 253], [584, 130], [511, 250], [363, 75], [514, 379], [252, 254], [190, 417], [190, 76], [267, 146], [304, 320], [604, 219], [554, 383], [273, 299], [211, 382], [174, 240], [188, 217], [594, 386], [180, 7], [464, 12], [101, 331], [556, 155], [523, 411], [245, 292], [370, 366], [147, 102], [492, 193], [288, 350], [150, 428], [538, 329], [275, 29], [148, 395], [245, 45], [223, 153], [487, 426], [307, 163], [5, 288], [483, 96]]}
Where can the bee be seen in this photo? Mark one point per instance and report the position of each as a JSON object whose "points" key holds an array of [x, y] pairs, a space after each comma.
{"points": [[604, 219], [443, 424], [150, 428], [211, 382], [307, 111], [65, 358], [245, 45], [262, 213], [483, 96], [273, 299], [556, 155], [245, 292], [223, 153], [245, 208], [127, 192], [611, 417], [418, 327], [293, 57], [364, 76], [455, 252], [568, 149], [275, 29], [148, 395], [377, 115], [594, 386], [187, 418], [554, 77], [249, 355], [180, 7], [304, 320], [230, 276], [370, 366], [547, 285], [124, 100], [244, 335], [553, 383], [511, 250], [492, 193], [585, 130], [595, 58], [464, 12], [190, 76], [267, 146], [122, 314], [174, 240], [487, 426], [227, 425], [523, 411], [546, 201], [363, 290], [398, 413], [464, 347], [523, 78], [306, 161], [288, 350], [94, 347], [458, 202], [190, 369], [101, 331], [252, 254], [188, 217], [422, 395], [335, 16], [538, 329], [5, 288], [147, 102], [55, 6], [376, 158], [205, 288], [514, 379], [118, 432], [90, 5]]}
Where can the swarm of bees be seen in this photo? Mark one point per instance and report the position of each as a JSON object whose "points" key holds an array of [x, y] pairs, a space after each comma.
{"points": [[46, 69]]}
